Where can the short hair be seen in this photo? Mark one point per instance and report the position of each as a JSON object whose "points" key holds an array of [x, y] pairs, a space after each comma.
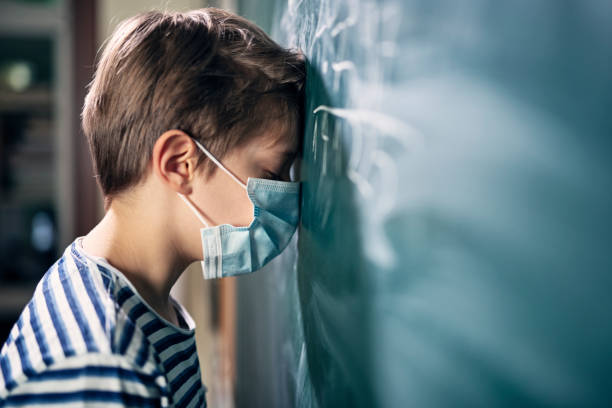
{"points": [[210, 73]]}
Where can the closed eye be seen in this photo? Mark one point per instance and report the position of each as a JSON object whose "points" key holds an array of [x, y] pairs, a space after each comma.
{"points": [[271, 176]]}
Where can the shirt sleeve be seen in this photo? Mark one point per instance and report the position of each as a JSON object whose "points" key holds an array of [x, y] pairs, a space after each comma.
{"points": [[89, 380]]}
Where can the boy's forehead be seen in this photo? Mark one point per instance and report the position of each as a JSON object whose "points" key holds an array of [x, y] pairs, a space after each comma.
{"points": [[278, 138]]}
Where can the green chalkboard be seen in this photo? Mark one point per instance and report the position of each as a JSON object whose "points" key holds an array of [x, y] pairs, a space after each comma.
{"points": [[455, 246]]}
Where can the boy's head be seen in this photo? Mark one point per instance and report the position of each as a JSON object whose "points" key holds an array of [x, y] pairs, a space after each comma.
{"points": [[212, 75]]}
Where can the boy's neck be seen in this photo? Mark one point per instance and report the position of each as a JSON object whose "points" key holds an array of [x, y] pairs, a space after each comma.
{"points": [[141, 249]]}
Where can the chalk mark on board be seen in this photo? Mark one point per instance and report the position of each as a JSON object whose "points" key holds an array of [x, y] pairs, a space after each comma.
{"points": [[410, 137], [389, 181], [365, 188], [314, 140], [324, 19], [343, 65], [338, 68], [350, 20], [325, 139]]}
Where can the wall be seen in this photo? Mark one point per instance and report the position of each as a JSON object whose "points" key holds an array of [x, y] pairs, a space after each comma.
{"points": [[454, 242]]}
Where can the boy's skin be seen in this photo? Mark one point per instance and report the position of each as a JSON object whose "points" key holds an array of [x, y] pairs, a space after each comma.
{"points": [[151, 235]]}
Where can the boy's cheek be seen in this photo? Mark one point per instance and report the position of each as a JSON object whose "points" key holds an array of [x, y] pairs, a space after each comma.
{"points": [[225, 202]]}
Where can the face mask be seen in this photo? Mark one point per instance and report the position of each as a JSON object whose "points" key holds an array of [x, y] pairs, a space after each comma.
{"points": [[230, 250]]}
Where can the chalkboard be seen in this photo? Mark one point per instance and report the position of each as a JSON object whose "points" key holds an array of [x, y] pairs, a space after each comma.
{"points": [[455, 245]]}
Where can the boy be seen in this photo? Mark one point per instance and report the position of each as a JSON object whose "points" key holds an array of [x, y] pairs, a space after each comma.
{"points": [[175, 97]]}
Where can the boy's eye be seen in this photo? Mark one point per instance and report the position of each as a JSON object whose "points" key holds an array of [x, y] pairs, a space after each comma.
{"points": [[272, 176]]}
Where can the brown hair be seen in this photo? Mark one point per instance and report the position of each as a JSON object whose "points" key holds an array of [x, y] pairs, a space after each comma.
{"points": [[214, 75]]}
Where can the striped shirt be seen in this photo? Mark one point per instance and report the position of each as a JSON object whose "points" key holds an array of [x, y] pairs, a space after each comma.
{"points": [[87, 338]]}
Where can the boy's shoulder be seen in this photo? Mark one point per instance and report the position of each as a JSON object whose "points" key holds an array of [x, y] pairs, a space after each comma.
{"points": [[74, 316]]}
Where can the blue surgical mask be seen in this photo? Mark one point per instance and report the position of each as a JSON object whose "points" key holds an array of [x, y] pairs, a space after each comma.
{"points": [[229, 250]]}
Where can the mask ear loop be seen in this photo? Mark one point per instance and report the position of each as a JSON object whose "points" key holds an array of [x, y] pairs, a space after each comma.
{"points": [[218, 163], [194, 209]]}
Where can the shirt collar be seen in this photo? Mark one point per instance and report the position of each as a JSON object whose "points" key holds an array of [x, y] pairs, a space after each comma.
{"points": [[116, 281]]}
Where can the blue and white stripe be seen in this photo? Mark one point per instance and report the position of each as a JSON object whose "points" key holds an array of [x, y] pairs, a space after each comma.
{"points": [[88, 339]]}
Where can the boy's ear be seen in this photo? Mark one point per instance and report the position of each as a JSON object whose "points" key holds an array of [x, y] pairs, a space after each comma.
{"points": [[174, 158]]}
